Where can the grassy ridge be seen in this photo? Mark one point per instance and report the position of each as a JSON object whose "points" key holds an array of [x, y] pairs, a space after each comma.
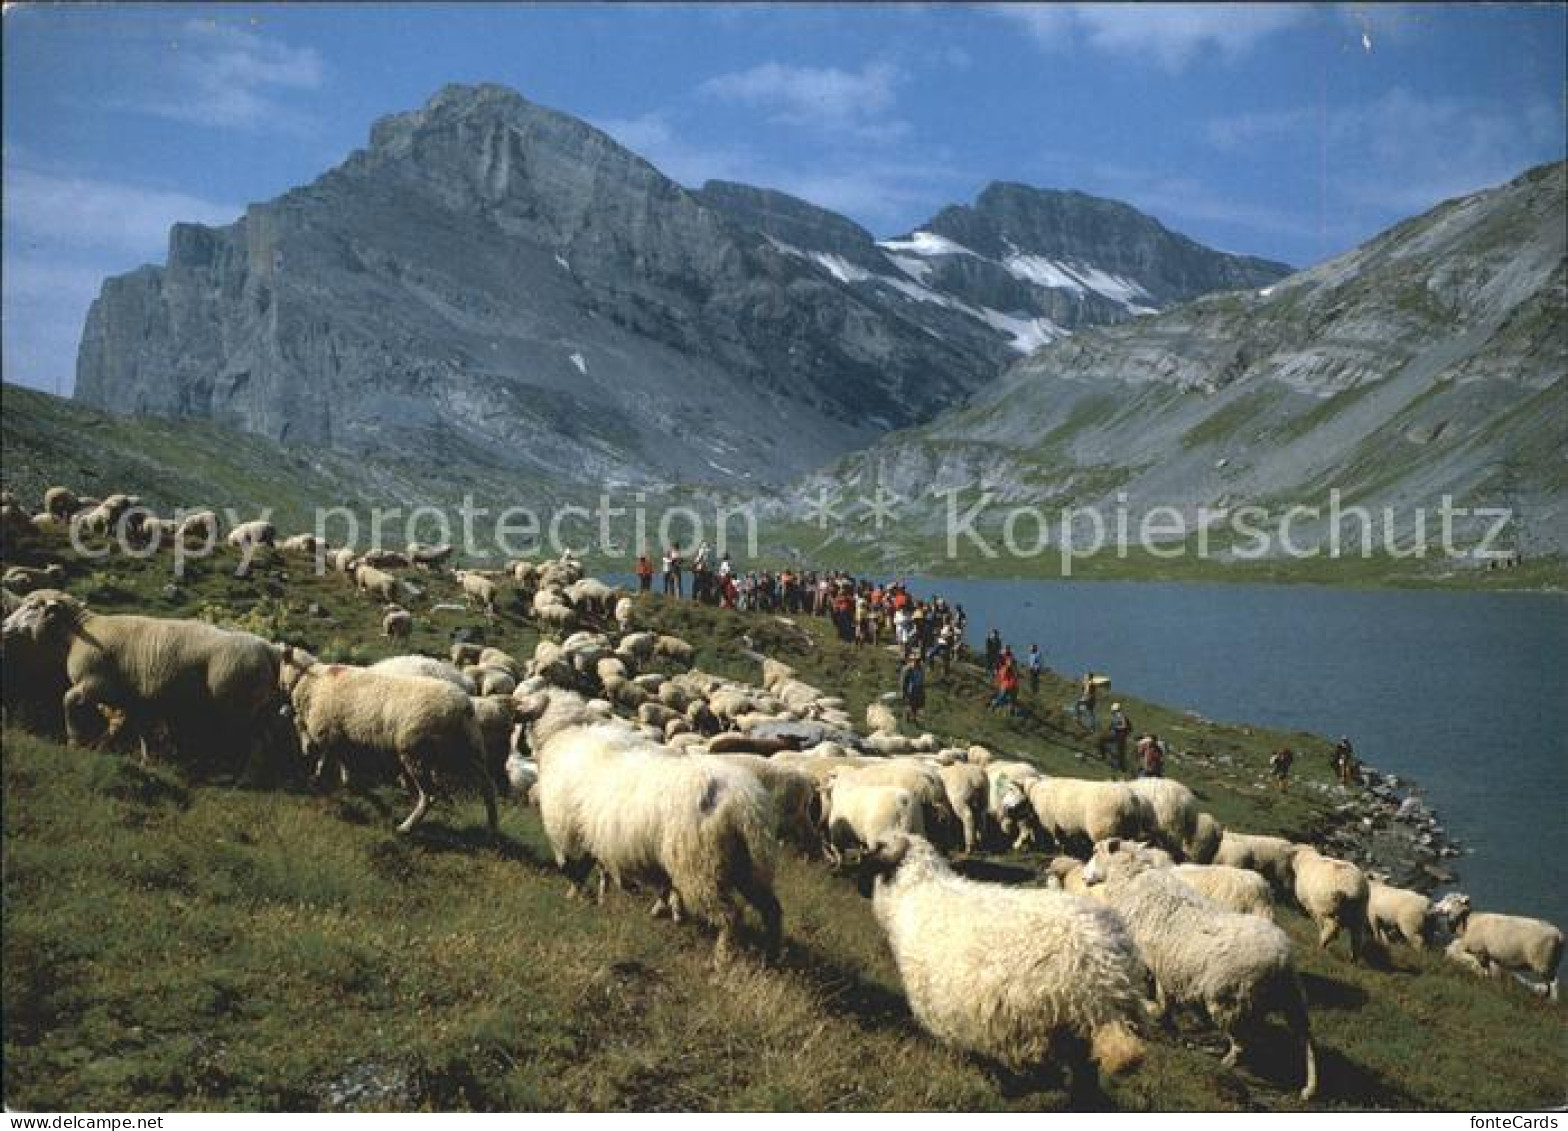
{"points": [[178, 941]]}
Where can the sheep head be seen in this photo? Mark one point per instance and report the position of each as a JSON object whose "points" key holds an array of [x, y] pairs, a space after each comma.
{"points": [[41, 613], [1119, 858], [293, 664], [881, 861]]}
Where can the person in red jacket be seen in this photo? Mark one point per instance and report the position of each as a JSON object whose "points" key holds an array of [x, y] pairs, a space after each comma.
{"points": [[644, 573]]}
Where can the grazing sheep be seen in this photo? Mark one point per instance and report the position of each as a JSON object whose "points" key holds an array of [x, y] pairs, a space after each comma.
{"points": [[1024, 976], [1007, 805], [924, 782], [1334, 894], [354, 716], [591, 594], [1235, 889], [637, 646], [479, 590], [1491, 943], [426, 667], [1238, 967], [398, 624], [205, 684], [775, 673], [1396, 913], [694, 826], [1269, 856], [560, 618], [968, 789], [1079, 810], [1175, 810], [857, 815], [624, 611], [674, 649], [880, 720], [378, 583], [34, 678], [298, 544], [259, 532]]}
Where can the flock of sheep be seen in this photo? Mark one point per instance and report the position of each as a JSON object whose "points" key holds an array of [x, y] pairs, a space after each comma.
{"points": [[665, 778]]}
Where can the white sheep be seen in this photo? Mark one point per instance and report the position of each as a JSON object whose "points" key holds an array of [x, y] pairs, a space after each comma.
{"points": [[1175, 810], [880, 720], [924, 782], [1077, 810], [674, 649], [298, 544], [968, 790], [625, 610], [1491, 943], [426, 667], [380, 584], [1397, 913], [348, 716], [695, 826], [479, 590], [1024, 976], [1270, 856], [1235, 889], [857, 815], [1238, 967], [1334, 895]]}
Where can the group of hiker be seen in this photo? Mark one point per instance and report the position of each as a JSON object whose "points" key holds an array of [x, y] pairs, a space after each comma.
{"points": [[927, 632]]}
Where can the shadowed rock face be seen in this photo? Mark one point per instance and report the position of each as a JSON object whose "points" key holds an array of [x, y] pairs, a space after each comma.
{"points": [[496, 279]]}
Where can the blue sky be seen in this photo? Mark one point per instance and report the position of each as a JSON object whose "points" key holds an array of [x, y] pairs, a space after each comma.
{"points": [[1293, 132]]}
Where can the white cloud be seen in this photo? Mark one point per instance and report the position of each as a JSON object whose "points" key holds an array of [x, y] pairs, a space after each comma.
{"points": [[105, 216], [852, 101], [1402, 152], [64, 235], [1172, 35], [224, 75]]}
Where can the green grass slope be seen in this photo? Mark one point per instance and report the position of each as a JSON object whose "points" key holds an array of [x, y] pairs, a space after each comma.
{"points": [[183, 939]]}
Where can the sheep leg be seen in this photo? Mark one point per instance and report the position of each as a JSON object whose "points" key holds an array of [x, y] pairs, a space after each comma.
{"points": [[760, 896], [487, 790], [421, 804], [1293, 1003], [80, 708], [1326, 933]]}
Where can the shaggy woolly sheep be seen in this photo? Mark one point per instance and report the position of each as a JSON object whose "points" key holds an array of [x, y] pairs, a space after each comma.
{"points": [[1333, 893], [298, 544], [205, 684], [1396, 913], [924, 782], [354, 717], [1238, 967], [378, 583], [794, 798], [492, 681], [1022, 976], [495, 718], [463, 655], [625, 610], [693, 825], [1492, 943]]}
